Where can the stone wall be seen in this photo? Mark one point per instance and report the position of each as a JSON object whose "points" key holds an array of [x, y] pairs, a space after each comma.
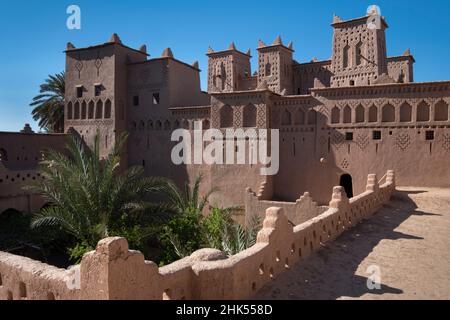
{"points": [[297, 212], [20, 153], [401, 68], [25, 279], [113, 271]]}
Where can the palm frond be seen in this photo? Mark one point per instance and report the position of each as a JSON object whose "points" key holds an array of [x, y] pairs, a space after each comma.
{"points": [[88, 194], [49, 103]]}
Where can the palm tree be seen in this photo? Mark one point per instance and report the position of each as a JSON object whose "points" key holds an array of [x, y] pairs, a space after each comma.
{"points": [[89, 195], [49, 104], [189, 199], [184, 233], [236, 238]]}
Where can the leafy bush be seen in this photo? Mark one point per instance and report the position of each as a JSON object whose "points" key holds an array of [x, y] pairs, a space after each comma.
{"points": [[214, 226], [77, 252], [223, 233], [181, 236], [189, 232]]}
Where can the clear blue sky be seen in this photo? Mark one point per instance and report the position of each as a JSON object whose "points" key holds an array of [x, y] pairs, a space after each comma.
{"points": [[33, 35]]}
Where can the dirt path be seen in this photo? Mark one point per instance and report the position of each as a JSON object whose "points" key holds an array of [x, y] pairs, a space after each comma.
{"points": [[408, 239]]}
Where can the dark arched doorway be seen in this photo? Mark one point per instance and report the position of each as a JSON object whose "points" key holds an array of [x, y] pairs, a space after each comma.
{"points": [[347, 183], [9, 213]]}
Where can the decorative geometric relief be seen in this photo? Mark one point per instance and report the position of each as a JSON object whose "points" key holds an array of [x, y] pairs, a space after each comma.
{"points": [[79, 66], [341, 104], [353, 103], [324, 110], [261, 117], [431, 101], [397, 102], [446, 142], [345, 164], [98, 63], [215, 121], [362, 141], [380, 102], [338, 139], [415, 101], [402, 141], [238, 117]]}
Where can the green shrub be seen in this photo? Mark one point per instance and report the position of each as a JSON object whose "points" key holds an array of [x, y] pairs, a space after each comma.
{"points": [[223, 233], [77, 252], [181, 236], [214, 226], [189, 232]]}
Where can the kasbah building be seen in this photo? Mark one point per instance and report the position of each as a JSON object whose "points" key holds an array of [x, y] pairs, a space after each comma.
{"points": [[360, 112]]}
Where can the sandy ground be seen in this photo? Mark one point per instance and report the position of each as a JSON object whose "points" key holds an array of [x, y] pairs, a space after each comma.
{"points": [[408, 239]]}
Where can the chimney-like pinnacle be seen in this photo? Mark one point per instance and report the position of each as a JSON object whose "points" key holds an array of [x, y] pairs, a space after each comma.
{"points": [[167, 53], [407, 53], [336, 19], [232, 46], [143, 48], [70, 46], [115, 38], [195, 64], [27, 129], [210, 50], [261, 44], [373, 10], [278, 41]]}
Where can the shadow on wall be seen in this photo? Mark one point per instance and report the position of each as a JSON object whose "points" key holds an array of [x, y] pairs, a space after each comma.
{"points": [[307, 158], [141, 146], [330, 274]]}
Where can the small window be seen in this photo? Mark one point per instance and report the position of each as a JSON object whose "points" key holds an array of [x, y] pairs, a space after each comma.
{"points": [[156, 98], [429, 135], [268, 70], [3, 155], [349, 136], [80, 92], [352, 82], [135, 100], [376, 135], [98, 90]]}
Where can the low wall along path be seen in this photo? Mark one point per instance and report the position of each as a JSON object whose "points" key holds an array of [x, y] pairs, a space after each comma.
{"points": [[113, 271]]}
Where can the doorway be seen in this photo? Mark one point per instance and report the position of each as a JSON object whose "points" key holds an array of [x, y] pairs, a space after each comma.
{"points": [[347, 183]]}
